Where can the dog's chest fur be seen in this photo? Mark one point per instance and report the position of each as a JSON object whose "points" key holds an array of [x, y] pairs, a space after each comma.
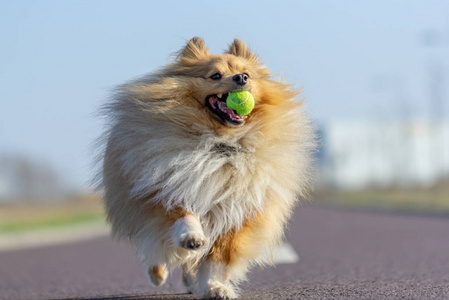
{"points": [[225, 149], [219, 179]]}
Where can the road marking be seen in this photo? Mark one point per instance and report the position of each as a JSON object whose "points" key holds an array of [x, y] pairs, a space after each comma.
{"points": [[285, 254]]}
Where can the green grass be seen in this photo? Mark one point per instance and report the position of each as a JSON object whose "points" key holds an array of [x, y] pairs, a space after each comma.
{"points": [[12, 226]]}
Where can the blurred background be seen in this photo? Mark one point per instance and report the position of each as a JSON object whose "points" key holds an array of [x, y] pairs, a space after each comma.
{"points": [[374, 75]]}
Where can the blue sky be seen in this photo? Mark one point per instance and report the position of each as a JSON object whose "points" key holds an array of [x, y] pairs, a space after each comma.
{"points": [[59, 59]]}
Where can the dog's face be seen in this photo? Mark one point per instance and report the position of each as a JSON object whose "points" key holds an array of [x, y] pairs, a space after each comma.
{"points": [[210, 78]]}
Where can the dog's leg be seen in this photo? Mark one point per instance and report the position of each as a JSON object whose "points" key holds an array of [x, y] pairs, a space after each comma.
{"points": [[230, 255], [189, 277], [168, 240], [188, 233], [158, 274], [223, 267], [214, 282]]}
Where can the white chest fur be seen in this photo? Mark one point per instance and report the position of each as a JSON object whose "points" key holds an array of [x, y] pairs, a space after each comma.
{"points": [[216, 178]]}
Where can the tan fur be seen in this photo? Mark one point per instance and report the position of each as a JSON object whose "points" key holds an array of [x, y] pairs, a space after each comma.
{"points": [[158, 274], [235, 249], [169, 157]]}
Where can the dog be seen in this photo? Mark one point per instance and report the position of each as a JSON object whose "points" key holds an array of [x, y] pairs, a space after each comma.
{"points": [[190, 183]]}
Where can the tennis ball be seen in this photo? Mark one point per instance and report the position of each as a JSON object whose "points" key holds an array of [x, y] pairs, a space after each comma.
{"points": [[240, 101]]}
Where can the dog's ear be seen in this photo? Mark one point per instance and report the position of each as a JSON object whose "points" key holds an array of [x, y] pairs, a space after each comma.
{"points": [[239, 48], [195, 49]]}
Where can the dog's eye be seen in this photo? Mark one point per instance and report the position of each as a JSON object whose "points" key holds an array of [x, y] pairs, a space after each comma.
{"points": [[216, 76], [246, 74]]}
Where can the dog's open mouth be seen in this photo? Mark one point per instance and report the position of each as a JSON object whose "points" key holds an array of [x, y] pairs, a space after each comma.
{"points": [[217, 104]]}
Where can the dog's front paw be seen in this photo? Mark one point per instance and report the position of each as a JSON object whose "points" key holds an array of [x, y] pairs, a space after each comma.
{"points": [[189, 234], [192, 240], [218, 290]]}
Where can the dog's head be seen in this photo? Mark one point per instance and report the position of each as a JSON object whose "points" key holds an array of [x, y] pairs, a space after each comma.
{"points": [[210, 78]]}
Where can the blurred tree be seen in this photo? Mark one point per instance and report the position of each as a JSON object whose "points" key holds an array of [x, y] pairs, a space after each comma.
{"points": [[25, 179]]}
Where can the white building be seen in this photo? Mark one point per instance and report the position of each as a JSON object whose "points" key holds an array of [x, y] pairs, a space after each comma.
{"points": [[367, 154]]}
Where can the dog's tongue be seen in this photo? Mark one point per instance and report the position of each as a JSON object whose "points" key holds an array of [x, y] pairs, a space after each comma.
{"points": [[212, 101], [228, 110]]}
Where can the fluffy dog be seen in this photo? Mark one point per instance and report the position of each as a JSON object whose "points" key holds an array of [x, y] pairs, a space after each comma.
{"points": [[194, 185]]}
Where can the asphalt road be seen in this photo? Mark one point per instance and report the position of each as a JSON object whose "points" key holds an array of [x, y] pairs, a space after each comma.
{"points": [[344, 254]]}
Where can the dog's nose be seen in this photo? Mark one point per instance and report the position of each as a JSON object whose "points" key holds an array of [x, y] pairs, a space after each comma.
{"points": [[240, 79]]}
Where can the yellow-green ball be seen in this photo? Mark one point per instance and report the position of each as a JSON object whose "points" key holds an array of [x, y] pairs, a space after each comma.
{"points": [[241, 101]]}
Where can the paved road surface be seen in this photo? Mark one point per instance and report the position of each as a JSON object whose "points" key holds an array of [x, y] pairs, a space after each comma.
{"points": [[344, 254]]}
